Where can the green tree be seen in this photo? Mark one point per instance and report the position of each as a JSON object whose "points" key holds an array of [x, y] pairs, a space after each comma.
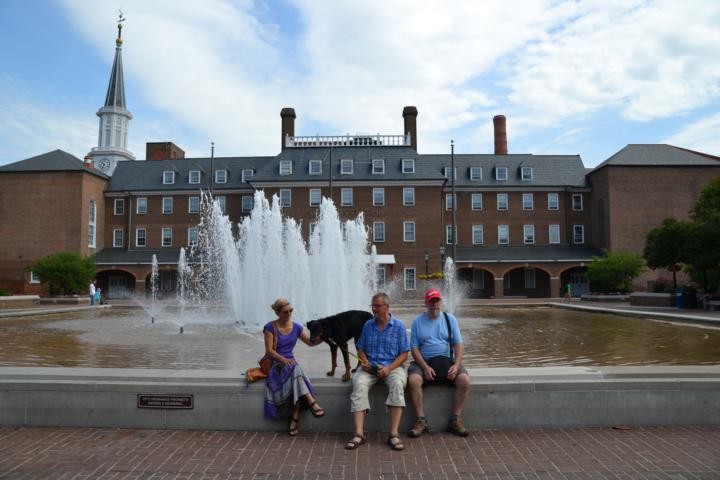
{"points": [[702, 250], [665, 246], [614, 272], [65, 273]]}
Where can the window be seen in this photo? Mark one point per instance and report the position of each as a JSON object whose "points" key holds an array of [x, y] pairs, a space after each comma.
{"points": [[140, 237], [577, 202], [92, 219], [378, 166], [167, 237], [409, 274], [285, 197], [506, 281], [167, 205], [478, 279], [408, 165], [119, 206], [378, 231], [315, 197], [450, 234], [247, 174], [192, 236], [220, 176], [220, 200], [118, 237], [529, 278], [526, 173], [503, 235], [193, 204], [141, 206], [554, 234], [446, 172], [553, 201], [247, 203], [380, 277], [194, 176], [408, 196], [346, 197], [346, 166], [502, 201], [527, 199], [315, 167], [378, 197], [285, 167], [34, 277], [475, 173], [168, 177], [528, 234], [477, 235], [450, 201], [476, 201], [501, 173], [408, 231], [578, 234]]}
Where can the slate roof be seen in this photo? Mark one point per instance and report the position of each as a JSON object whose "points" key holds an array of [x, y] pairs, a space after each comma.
{"points": [[55, 161], [113, 256], [544, 253], [659, 155]]}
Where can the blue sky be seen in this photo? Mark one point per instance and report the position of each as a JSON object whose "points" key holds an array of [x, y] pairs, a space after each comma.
{"points": [[579, 77]]}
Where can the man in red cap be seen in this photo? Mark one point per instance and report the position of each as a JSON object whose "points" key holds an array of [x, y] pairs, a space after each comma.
{"points": [[437, 350]]}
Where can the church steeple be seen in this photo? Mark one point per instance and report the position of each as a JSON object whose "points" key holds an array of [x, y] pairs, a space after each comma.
{"points": [[114, 117]]}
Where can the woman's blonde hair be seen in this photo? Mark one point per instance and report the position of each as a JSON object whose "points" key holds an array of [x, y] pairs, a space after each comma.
{"points": [[279, 304]]}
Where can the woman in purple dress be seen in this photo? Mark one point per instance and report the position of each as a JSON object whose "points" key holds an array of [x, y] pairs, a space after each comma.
{"points": [[287, 387]]}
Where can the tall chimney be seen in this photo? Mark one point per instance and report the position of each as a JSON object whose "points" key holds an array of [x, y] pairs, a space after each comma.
{"points": [[288, 125], [500, 135], [410, 116]]}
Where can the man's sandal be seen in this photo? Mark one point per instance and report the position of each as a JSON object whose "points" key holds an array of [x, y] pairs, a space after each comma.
{"points": [[293, 426], [316, 412], [395, 443], [356, 440]]}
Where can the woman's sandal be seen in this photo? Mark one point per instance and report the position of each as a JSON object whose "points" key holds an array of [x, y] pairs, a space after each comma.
{"points": [[395, 442], [352, 444], [316, 412], [293, 429]]}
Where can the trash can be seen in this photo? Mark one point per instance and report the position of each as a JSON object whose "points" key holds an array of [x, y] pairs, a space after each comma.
{"points": [[679, 299], [689, 297]]}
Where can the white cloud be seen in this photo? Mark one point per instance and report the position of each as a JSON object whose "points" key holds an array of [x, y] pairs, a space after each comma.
{"points": [[701, 135]]}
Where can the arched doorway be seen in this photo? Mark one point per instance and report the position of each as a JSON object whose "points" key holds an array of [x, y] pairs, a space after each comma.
{"points": [[166, 284], [481, 283], [528, 282], [577, 278], [116, 284]]}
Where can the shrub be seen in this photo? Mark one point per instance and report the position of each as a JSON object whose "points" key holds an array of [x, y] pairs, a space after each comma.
{"points": [[614, 272], [65, 273]]}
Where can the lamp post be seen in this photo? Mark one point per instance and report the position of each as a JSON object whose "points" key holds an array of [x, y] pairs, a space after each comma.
{"points": [[427, 267], [454, 202], [442, 258]]}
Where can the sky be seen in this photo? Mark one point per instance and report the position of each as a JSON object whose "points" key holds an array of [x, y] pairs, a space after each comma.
{"points": [[572, 77]]}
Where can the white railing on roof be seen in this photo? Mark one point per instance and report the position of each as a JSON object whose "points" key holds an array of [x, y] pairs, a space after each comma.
{"points": [[349, 141]]}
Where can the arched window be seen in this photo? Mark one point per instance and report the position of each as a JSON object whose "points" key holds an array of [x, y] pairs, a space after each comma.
{"points": [[92, 214]]}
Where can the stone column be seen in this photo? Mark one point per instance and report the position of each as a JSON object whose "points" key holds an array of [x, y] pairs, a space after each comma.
{"points": [[555, 287], [499, 287]]}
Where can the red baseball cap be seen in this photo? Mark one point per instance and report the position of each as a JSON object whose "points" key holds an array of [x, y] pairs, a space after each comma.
{"points": [[431, 294]]}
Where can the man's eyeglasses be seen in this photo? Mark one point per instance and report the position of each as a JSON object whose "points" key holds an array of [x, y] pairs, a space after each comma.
{"points": [[378, 305], [289, 310]]}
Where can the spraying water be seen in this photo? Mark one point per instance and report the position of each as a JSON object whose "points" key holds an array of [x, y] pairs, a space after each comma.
{"points": [[154, 283], [452, 292]]}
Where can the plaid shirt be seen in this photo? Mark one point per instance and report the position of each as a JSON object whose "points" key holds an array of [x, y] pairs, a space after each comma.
{"points": [[383, 347]]}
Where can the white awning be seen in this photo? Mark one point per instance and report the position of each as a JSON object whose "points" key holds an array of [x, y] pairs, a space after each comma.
{"points": [[385, 259]]}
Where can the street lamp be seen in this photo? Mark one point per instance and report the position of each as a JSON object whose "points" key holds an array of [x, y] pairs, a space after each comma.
{"points": [[442, 258], [427, 268]]}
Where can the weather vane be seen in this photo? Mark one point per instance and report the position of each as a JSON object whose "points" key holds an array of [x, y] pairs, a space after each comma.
{"points": [[121, 19]]}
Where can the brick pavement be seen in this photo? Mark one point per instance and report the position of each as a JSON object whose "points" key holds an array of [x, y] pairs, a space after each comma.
{"points": [[678, 453]]}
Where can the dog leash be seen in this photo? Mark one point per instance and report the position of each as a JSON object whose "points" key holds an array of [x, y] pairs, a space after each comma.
{"points": [[362, 362]]}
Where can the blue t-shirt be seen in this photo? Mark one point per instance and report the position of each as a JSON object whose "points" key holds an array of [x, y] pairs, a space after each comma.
{"points": [[431, 336], [383, 347]]}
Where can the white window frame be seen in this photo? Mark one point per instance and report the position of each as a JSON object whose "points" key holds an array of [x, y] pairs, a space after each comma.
{"points": [[529, 277], [315, 167], [408, 165], [378, 166], [409, 278], [192, 232], [168, 177], [503, 239], [529, 234], [579, 198], [506, 202], [222, 202], [119, 206], [141, 205], [446, 172], [578, 234], [478, 234], [409, 232], [164, 204], [528, 201], [378, 192], [194, 204], [194, 176], [554, 234], [137, 237], [478, 279], [475, 174], [408, 196], [285, 195], [346, 197], [118, 237], [316, 195], [247, 203], [34, 277], [449, 237], [346, 166], [285, 167], [92, 223], [221, 176], [166, 237], [450, 201], [526, 173], [501, 173], [247, 174], [378, 232], [476, 200], [553, 200]]}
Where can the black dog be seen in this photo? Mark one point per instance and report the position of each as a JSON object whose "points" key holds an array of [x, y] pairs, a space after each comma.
{"points": [[336, 331]]}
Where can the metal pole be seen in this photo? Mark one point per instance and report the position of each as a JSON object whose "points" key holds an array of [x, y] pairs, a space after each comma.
{"points": [[427, 267], [454, 204], [212, 171]]}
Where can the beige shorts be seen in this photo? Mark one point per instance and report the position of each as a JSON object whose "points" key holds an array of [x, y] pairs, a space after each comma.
{"points": [[363, 381]]}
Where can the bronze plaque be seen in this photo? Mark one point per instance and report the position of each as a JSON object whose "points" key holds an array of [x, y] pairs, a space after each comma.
{"points": [[169, 402]]}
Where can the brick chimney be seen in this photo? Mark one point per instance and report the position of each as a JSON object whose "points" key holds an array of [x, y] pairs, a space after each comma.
{"points": [[410, 116], [163, 151], [88, 161], [288, 125], [500, 135]]}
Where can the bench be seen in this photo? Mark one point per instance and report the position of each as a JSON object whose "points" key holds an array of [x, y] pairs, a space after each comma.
{"points": [[712, 305]]}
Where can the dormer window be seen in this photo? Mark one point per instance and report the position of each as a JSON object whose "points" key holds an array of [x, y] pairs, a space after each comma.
{"points": [[315, 167], [285, 167], [408, 165], [346, 166], [447, 170], [247, 174], [526, 173], [378, 166], [220, 176], [501, 173], [194, 176], [476, 173], [168, 177]]}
